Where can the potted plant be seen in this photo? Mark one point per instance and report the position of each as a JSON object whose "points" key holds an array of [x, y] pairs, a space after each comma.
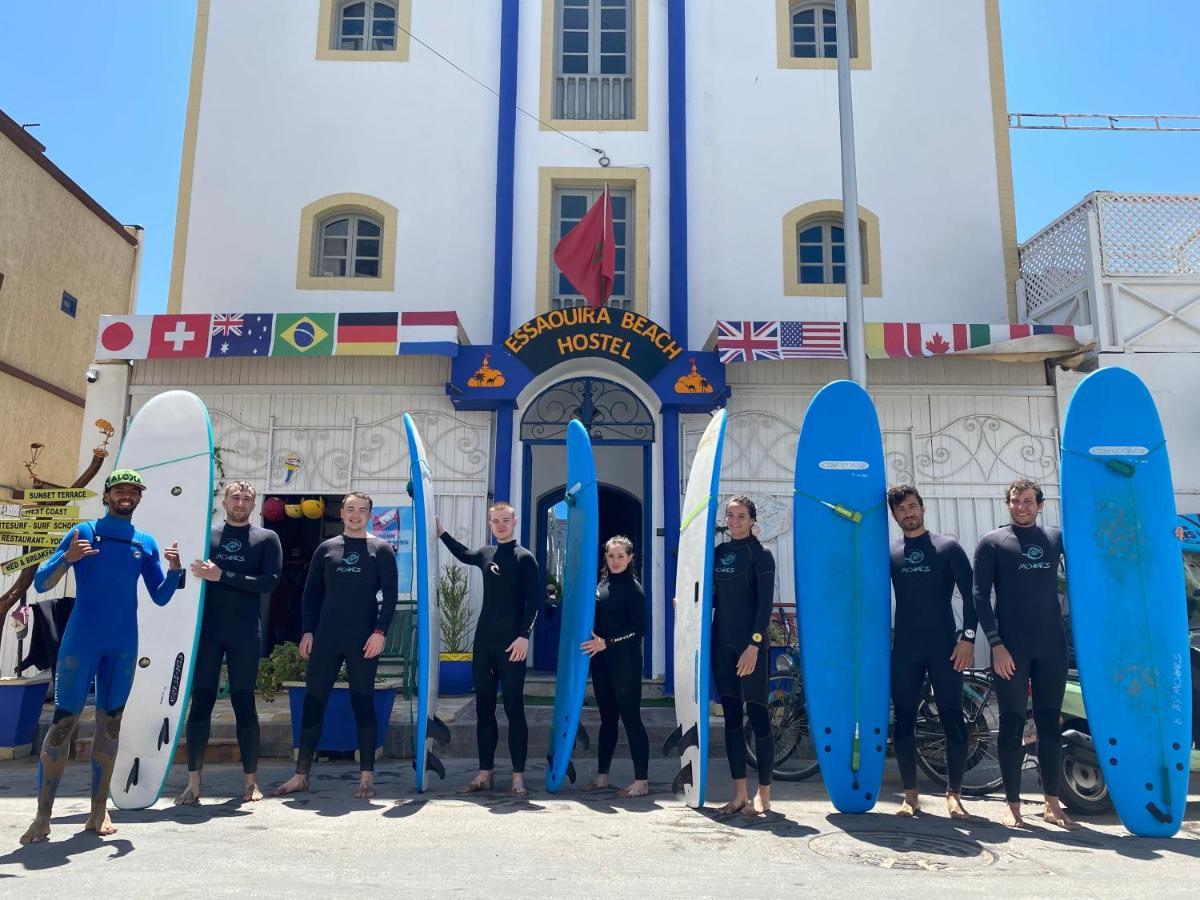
{"points": [[458, 622], [285, 669]]}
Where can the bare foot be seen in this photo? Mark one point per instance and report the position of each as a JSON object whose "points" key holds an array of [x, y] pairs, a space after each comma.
{"points": [[479, 783], [954, 806], [759, 806], [518, 786], [599, 783], [251, 792], [637, 789], [190, 796], [366, 786], [1055, 815], [910, 806], [298, 783], [736, 805], [38, 831], [1012, 818], [100, 823]]}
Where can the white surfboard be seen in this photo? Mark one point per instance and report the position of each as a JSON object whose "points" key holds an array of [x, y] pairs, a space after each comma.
{"points": [[693, 614], [170, 443]]}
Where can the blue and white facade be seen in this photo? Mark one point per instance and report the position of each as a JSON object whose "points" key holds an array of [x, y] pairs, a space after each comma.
{"points": [[413, 155]]}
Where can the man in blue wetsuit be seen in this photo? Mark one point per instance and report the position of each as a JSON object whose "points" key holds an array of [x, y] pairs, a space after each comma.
{"points": [[101, 638]]}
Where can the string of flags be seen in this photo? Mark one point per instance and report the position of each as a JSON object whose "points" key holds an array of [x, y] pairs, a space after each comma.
{"points": [[756, 341], [221, 335]]}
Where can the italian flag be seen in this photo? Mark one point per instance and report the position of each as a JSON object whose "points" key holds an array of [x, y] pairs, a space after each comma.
{"points": [[897, 340]]}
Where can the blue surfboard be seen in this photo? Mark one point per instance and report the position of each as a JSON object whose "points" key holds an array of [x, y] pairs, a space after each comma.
{"points": [[1128, 607], [428, 727], [693, 615], [578, 604], [843, 595]]}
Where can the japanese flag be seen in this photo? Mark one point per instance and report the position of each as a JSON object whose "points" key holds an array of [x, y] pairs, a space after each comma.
{"points": [[123, 337]]}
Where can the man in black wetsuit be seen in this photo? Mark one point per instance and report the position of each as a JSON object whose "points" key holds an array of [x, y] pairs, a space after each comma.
{"points": [[925, 569], [511, 586], [243, 566], [743, 592], [343, 621], [1029, 646]]}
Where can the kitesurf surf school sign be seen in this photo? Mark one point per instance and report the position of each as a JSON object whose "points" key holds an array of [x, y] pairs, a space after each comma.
{"points": [[631, 340]]}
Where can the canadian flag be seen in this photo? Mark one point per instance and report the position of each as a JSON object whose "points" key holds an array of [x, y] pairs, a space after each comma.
{"points": [[177, 337], [123, 337]]}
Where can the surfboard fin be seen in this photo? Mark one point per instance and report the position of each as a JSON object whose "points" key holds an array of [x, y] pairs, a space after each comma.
{"points": [[133, 773], [438, 730], [682, 777], [433, 764], [691, 738], [571, 772], [582, 739], [672, 740], [164, 733]]}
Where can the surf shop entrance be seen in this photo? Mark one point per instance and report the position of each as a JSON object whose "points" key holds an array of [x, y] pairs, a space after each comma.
{"points": [[622, 430]]}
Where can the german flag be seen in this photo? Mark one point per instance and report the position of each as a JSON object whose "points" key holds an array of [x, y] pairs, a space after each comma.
{"points": [[367, 334]]}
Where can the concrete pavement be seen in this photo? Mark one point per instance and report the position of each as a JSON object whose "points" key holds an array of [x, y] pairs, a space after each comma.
{"points": [[572, 844]]}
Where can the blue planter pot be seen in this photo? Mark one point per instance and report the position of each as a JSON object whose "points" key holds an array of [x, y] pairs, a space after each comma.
{"points": [[454, 675], [20, 706], [339, 732]]}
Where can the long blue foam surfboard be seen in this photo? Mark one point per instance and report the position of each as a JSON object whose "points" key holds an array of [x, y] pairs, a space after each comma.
{"points": [[580, 573], [843, 596], [693, 614], [1127, 601], [170, 443], [429, 728]]}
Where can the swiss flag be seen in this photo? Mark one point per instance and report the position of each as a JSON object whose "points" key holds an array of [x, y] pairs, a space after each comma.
{"points": [[123, 337], [587, 254], [179, 337]]}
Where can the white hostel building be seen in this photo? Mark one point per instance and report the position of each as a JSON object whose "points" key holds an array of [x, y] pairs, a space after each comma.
{"points": [[371, 193]]}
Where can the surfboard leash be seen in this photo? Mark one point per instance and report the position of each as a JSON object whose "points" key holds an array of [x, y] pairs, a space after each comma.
{"points": [[167, 462], [575, 490]]}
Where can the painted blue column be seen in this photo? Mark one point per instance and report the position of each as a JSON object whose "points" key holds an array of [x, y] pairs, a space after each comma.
{"points": [[677, 154], [670, 470], [506, 145], [502, 482]]}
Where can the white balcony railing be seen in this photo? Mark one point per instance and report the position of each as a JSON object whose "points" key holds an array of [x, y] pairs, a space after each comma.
{"points": [[1137, 235], [593, 97]]}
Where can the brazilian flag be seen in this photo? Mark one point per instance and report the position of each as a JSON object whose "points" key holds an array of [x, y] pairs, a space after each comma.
{"points": [[303, 334]]}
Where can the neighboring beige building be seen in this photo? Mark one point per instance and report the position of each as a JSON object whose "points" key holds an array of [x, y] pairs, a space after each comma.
{"points": [[64, 261]]}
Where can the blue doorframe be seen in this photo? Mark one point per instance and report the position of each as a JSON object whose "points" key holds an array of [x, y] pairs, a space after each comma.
{"points": [[647, 548]]}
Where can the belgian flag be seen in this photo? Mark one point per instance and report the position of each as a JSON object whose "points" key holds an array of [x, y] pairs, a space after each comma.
{"points": [[367, 334]]}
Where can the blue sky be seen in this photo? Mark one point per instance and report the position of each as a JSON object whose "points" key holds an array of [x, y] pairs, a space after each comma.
{"points": [[110, 92]]}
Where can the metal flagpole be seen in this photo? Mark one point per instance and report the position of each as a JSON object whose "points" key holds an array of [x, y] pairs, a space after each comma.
{"points": [[855, 334]]}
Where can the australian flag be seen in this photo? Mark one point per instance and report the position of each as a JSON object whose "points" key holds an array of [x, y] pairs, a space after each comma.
{"points": [[240, 334]]}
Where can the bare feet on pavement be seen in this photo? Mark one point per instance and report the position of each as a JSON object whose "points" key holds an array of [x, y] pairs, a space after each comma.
{"points": [[296, 784]]}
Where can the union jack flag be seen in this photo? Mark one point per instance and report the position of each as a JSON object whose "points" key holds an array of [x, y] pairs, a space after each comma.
{"points": [[748, 341], [226, 324]]}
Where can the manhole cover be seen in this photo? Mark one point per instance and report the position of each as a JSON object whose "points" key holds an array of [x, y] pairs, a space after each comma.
{"points": [[903, 850]]}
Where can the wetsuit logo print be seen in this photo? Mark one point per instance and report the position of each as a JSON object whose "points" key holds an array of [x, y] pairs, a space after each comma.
{"points": [[231, 548], [350, 563], [725, 563], [914, 560], [1034, 554]]}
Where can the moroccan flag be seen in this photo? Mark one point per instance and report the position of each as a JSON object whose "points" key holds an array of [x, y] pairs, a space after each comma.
{"points": [[587, 254], [367, 334], [305, 334]]}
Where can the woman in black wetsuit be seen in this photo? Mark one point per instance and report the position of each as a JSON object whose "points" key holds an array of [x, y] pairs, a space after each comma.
{"points": [[743, 591], [616, 653]]}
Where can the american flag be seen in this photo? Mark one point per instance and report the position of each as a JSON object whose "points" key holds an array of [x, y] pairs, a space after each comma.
{"points": [[753, 341], [803, 340], [226, 324]]}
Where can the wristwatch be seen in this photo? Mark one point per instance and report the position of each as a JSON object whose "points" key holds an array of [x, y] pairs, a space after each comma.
{"points": [[756, 638], [968, 634]]}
